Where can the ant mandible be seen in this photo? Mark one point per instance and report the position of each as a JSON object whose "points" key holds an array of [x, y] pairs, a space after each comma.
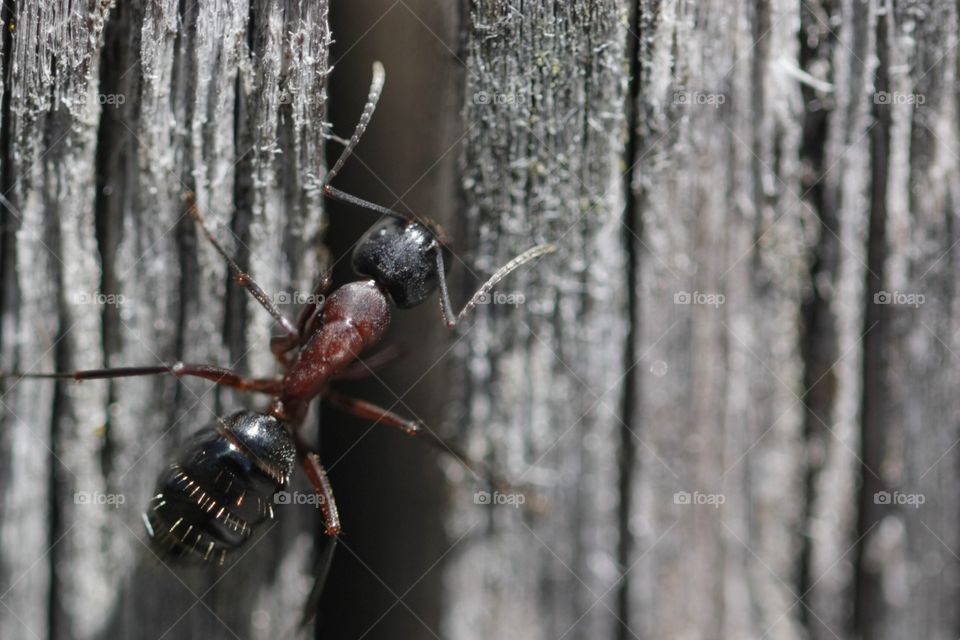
{"points": [[209, 501]]}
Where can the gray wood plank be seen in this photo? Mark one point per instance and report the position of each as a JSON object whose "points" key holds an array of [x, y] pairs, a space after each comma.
{"points": [[540, 386], [113, 117]]}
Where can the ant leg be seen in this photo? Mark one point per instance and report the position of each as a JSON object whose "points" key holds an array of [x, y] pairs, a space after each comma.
{"points": [[227, 378], [312, 310], [321, 484], [309, 316], [241, 277], [379, 415], [446, 309], [321, 573], [370, 411], [331, 520], [219, 375]]}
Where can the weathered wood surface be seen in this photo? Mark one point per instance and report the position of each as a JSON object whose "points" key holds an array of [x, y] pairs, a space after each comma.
{"points": [[541, 383], [797, 158], [110, 116]]}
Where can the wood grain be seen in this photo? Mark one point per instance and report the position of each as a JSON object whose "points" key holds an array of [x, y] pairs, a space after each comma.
{"points": [[728, 399], [113, 115]]}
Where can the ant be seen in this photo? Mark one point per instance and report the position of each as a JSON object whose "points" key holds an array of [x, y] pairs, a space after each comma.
{"points": [[219, 488]]}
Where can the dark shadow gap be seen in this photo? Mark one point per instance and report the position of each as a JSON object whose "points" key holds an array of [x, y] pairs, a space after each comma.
{"points": [[111, 159], [629, 409], [869, 601], [819, 348]]}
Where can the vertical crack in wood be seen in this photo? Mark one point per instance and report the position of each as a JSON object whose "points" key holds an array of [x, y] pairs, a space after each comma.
{"points": [[111, 158], [235, 323], [631, 381], [235, 320], [185, 233], [760, 58], [8, 245], [869, 596], [61, 411], [819, 346], [8, 223], [8, 241]]}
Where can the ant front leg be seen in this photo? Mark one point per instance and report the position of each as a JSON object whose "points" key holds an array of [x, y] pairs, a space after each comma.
{"points": [[306, 323], [310, 314]]}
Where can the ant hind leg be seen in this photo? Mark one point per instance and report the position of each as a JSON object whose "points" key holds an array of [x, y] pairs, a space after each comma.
{"points": [[218, 375]]}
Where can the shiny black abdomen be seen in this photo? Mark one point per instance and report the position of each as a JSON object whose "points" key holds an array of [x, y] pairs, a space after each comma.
{"points": [[220, 487]]}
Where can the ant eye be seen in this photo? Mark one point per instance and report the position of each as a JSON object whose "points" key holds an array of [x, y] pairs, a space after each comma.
{"points": [[400, 256]]}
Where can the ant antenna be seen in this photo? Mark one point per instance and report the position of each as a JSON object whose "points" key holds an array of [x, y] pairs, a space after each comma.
{"points": [[376, 86], [447, 309], [336, 194]]}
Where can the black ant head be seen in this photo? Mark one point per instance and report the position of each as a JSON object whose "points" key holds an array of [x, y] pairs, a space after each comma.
{"points": [[401, 256]]}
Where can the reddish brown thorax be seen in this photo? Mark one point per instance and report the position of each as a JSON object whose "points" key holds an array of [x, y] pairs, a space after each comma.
{"points": [[354, 317]]}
